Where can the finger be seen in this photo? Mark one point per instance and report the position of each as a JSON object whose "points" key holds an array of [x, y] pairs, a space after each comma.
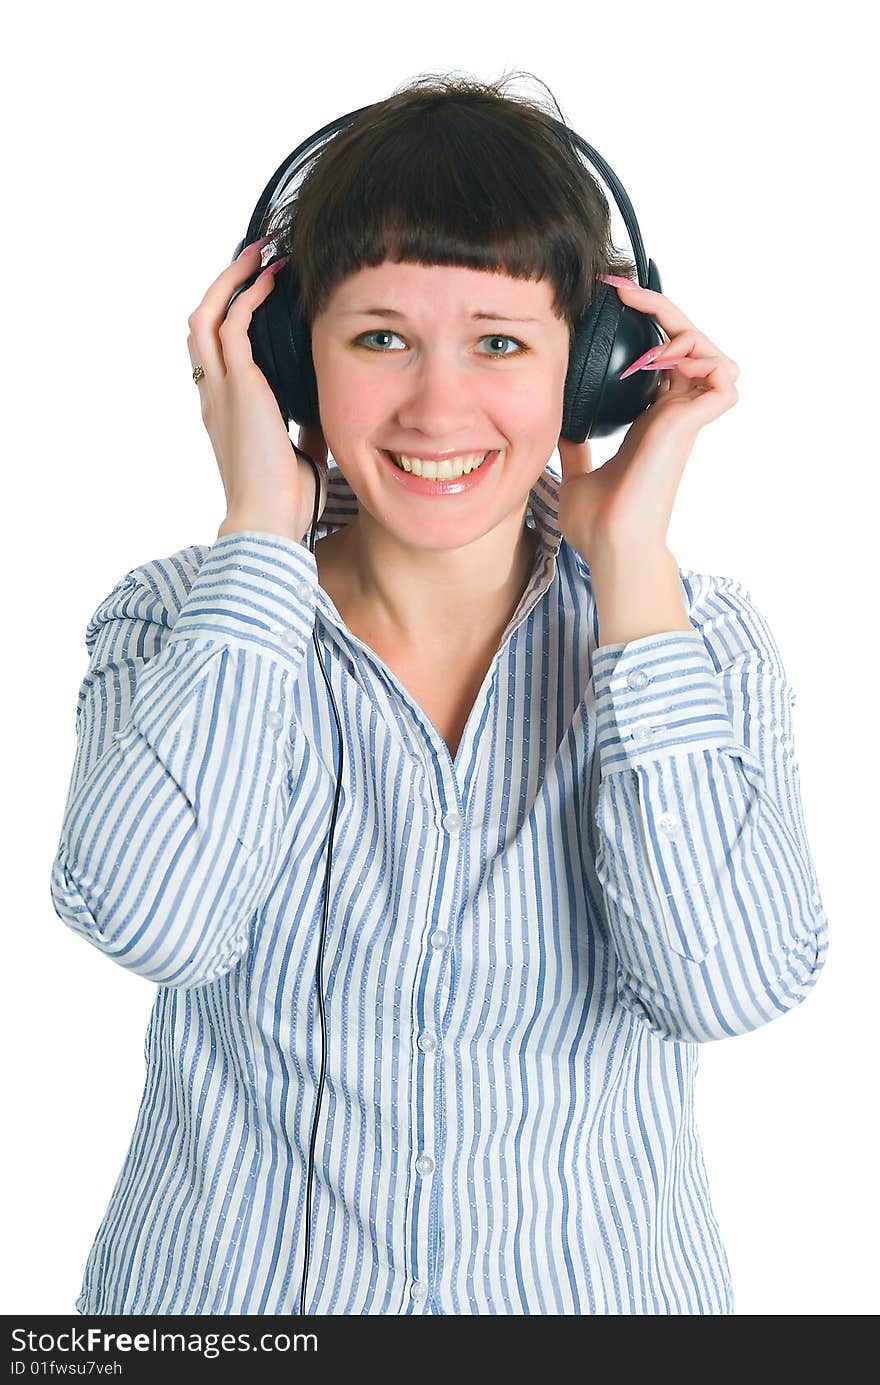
{"points": [[216, 297], [691, 343], [686, 339], [708, 384], [203, 342], [204, 350], [233, 330], [700, 367], [653, 304]]}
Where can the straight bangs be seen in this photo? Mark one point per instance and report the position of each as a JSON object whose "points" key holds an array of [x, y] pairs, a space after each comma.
{"points": [[451, 172]]}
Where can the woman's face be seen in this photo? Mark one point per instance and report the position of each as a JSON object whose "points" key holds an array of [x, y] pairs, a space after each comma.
{"points": [[428, 376]]}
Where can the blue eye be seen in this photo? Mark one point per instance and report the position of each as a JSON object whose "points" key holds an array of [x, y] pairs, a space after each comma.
{"points": [[384, 332], [498, 337], [378, 332]]}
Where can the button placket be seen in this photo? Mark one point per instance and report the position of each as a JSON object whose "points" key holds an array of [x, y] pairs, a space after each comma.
{"points": [[428, 1041]]}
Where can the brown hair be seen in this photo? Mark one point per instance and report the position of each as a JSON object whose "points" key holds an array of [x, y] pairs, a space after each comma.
{"points": [[451, 171]]}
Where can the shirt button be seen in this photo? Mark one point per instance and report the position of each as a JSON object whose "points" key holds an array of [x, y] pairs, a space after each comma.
{"points": [[275, 719], [301, 589], [637, 678], [667, 823], [452, 822], [418, 1290], [439, 938], [426, 1041], [288, 636], [425, 1164], [642, 732]]}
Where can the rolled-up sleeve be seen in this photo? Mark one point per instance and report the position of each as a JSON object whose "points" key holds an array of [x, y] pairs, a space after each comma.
{"points": [[184, 726], [702, 856]]}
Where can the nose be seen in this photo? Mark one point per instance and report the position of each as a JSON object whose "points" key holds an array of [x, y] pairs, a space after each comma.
{"points": [[437, 401]]}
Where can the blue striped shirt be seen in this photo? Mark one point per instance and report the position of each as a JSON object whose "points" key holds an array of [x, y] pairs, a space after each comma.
{"points": [[527, 942]]}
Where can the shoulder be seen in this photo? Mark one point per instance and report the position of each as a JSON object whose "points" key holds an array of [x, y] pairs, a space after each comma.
{"points": [[154, 591]]}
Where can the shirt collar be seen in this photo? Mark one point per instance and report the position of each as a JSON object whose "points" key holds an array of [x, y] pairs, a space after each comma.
{"points": [[542, 511]]}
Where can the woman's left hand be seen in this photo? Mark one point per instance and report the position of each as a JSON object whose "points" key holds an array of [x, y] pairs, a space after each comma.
{"points": [[629, 499]]}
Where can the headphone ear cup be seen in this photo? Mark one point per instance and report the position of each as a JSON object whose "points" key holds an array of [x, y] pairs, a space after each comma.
{"points": [[281, 347], [608, 337]]}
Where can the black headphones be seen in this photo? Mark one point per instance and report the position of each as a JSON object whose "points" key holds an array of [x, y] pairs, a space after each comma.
{"points": [[608, 337]]}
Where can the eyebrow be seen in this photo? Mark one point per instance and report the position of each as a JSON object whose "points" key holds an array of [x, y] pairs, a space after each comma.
{"points": [[480, 315]]}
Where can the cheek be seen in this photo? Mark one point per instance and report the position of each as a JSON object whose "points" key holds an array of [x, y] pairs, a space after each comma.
{"points": [[351, 401], [534, 400], [347, 410], [534, 420]]}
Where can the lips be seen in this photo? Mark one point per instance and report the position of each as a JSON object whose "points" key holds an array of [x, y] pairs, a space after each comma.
{"points": [[419, 485]]}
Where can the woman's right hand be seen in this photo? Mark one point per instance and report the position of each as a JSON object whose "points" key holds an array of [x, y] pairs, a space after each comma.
{"points": [[268, 487]]}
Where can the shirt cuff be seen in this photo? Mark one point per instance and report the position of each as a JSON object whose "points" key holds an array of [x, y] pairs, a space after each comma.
{"points": [[256, 591], [655, 695]]}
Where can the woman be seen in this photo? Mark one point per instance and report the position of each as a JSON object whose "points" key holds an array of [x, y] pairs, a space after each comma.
{"points": [[569, 848]]}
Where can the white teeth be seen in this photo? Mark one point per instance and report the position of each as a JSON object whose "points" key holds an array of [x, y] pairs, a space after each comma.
{"points": [[440, 471]]}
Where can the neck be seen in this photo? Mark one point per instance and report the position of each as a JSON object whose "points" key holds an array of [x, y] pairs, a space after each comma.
{"points": [[447, 600]]}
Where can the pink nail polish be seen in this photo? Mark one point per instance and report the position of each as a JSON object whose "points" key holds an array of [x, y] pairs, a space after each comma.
{"points": [[273, 267], [264, 240], [619, 281], [645, 359]]}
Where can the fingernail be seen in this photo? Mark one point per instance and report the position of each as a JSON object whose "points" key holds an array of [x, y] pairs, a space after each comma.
{"points": [[642, 361], [274, 266], [264, 240], [662, 365], [620, 282]]}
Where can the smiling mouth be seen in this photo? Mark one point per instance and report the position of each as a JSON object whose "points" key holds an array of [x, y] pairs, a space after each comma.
{"points": [[446, 470]]}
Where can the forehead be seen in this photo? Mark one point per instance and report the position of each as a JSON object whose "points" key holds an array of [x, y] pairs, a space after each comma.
{"points": [[449, 290]]}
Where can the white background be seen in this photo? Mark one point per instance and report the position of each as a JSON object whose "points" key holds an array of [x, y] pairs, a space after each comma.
{"points": [[137, 144]]}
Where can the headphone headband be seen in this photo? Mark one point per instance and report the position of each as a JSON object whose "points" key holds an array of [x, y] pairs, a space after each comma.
{"points": [[272, 195]]}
